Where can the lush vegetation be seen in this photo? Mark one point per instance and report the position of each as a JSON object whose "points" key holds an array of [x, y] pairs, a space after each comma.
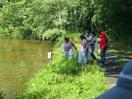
{"points": [[65, 78], [48, 19], [51, 19]]}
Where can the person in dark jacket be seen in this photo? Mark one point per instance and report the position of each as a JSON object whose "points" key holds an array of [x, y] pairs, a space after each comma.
{"points": [[103, 47], [91, 40]]}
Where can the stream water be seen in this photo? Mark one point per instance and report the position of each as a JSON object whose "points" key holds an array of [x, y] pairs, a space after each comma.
{"points": [[19, 61]]}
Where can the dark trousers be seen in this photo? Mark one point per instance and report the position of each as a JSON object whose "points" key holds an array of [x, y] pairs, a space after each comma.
{"points": [[102, 56], [92, 52], [93, 56]]}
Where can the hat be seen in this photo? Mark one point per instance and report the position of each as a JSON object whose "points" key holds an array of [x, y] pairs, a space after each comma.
{"points": [[123, 88]]}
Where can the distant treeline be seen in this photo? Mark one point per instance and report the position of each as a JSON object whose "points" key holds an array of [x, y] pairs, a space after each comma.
{"points": [[49, 19]]}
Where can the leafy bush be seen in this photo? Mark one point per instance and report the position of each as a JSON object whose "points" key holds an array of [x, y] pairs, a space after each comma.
{"points": [[64, 78], [26, 32], [52, 33]]}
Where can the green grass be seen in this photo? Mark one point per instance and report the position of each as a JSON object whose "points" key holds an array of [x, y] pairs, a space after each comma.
{"points": [[64, 78], [122, 50]]}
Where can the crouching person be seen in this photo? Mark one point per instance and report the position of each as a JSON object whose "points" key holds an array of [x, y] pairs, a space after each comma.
{"points": [[68, 48]]}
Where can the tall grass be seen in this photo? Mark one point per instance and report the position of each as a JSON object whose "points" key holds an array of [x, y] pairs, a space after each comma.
{"points": [[64, 78]]}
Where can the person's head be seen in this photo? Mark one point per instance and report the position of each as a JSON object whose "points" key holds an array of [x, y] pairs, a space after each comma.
{"points": [[66, 39], [82, 37], [87, 33], [103, 35]]}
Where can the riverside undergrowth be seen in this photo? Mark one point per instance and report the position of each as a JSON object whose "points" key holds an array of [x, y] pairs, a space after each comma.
{"points": [[64, 78]]}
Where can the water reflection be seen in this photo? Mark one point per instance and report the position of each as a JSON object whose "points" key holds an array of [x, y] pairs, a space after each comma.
{"points": [[19, 60]]}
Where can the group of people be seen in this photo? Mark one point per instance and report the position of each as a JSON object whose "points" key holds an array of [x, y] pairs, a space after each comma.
{"points": [[87, 47]]}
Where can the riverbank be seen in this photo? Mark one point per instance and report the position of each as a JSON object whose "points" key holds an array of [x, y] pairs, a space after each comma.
{"points": [[65, 78]]}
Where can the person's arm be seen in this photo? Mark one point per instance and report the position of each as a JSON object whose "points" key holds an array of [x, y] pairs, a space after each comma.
{"points": [[74, 46], [94, 38], [86, 45]]}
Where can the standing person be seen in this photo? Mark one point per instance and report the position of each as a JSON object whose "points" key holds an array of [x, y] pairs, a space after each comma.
{"points": [[91, 40], [83, 50], [103, 47], [68, 47]]}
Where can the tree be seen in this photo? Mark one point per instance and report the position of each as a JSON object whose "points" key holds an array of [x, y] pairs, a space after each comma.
{"points": [[115, 16], [50, 15], [14, 14]]}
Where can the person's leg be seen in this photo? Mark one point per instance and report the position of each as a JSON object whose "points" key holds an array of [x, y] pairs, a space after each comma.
{"points": [[93, 56], [80, 58], [84, 58], [65, 54], [71, 54], [101, 57], [92, 52], [102, 61], [68, 54]]}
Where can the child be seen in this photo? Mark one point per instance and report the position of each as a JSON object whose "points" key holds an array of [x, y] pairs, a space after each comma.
{"points": [[68, 47], [103, 47]]}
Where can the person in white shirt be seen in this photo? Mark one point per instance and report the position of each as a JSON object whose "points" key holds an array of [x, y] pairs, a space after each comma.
{"points": [[83, 50]]}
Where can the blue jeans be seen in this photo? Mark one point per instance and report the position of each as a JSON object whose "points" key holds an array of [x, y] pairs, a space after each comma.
{"points": [[70, 54], [82, 58]]}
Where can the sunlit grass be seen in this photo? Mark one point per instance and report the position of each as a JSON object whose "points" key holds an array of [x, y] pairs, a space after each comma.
{"points": [[66, 79]]}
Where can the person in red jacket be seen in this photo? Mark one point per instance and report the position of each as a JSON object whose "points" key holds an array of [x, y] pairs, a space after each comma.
{"points": [[103, 47]]}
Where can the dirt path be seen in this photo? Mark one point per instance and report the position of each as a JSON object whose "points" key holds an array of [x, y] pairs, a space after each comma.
{"points": [[115, 60]]}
